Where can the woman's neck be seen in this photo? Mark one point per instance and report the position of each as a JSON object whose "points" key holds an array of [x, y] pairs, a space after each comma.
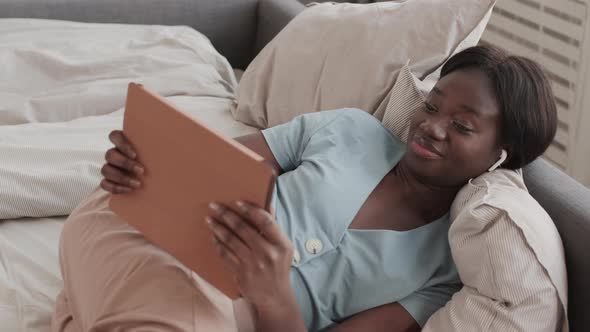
{"points": [[429, 201]]}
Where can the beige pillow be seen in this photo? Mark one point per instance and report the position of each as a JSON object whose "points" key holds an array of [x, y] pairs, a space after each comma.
{"points": [[510, 259], [348, 55], [406, 97]]}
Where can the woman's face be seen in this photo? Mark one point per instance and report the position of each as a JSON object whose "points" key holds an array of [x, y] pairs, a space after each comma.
{"points": [[456, 135]]}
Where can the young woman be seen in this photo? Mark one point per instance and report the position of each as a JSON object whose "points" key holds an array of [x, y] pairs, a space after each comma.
{"points": [[359, 241]]}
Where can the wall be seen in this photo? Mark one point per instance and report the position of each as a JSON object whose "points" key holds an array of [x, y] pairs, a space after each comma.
{"points": [[554, 33]]}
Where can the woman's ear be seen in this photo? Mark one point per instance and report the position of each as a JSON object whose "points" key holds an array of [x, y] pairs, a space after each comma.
{"points": [[503, 157]]}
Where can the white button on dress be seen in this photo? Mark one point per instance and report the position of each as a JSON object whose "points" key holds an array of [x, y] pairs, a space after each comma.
{"points": [[314, 246]]}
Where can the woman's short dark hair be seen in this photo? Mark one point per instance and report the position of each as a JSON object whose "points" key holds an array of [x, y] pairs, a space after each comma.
{"points": [[525, 98]]}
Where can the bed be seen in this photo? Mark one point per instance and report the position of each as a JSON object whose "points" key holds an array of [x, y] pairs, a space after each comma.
{"points": [[49, 160], [63, 93]]}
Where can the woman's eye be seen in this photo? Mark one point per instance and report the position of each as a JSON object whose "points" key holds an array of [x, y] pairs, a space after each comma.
{"points": [[462, 128], [429, 108]]}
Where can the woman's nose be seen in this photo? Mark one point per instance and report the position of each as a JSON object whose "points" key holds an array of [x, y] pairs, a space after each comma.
{"points": [[435, 127]]}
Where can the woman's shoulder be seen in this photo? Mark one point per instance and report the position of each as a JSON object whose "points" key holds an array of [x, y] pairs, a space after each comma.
{"points": [[353, 124], [348, 116], [352, 116]]}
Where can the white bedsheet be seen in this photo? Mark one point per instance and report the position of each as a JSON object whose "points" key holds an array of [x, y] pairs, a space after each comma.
{"points": [[29, 273], [29, 268]]}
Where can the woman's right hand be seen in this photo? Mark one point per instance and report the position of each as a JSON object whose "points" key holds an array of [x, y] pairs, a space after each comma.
{"points": [[121, 170]]}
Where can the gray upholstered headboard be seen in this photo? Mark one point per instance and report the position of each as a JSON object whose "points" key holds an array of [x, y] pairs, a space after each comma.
{"points": [[568, 203], [231, 25]]}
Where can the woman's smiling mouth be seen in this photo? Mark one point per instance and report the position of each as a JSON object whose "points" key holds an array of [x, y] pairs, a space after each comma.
{"points": [[424, 148]]}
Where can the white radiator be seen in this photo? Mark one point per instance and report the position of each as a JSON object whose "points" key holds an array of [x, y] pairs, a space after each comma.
{"points": [[552, 33]]}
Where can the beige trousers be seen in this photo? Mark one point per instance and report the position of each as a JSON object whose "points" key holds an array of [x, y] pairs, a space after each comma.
{"points": [[115, 280]]}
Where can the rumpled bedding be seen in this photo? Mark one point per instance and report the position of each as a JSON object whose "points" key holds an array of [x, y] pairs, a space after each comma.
{"points": [[60, 70], [63, 90], [46, 169]]}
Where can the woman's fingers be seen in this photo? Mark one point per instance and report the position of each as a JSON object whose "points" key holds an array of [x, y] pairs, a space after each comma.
{"points": [[228, 256], [118, 138], [116, 158], [113, 187], [233, 222], [120, 167], [257, 230], [264, 222], [119, 177], [229, 241]]}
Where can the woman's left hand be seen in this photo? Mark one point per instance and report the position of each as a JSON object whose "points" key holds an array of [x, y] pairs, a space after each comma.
{"points": [[252, 245]]}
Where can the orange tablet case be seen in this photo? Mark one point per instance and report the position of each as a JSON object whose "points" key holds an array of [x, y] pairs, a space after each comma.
{"points": [[187, 166]]}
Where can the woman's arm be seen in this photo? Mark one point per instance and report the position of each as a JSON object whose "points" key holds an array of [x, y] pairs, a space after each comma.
{"points": [[387, 318], [257, 143]]}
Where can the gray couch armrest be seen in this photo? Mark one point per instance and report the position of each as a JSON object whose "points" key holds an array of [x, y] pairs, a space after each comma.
{"points": [[273, 15], [568, 204], [229, 24]]}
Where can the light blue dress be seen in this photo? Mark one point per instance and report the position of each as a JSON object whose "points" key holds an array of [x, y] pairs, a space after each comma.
{"points": [[332, 161]]}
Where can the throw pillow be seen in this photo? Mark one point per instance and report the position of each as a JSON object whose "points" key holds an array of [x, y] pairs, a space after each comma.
{"points": [[349, 55]]}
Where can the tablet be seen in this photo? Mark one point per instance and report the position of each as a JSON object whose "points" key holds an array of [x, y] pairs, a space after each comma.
{"points": [[187, 166]]}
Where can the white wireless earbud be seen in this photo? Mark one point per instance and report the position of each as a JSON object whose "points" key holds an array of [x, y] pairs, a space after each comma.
{"points": [[503, 157]]}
